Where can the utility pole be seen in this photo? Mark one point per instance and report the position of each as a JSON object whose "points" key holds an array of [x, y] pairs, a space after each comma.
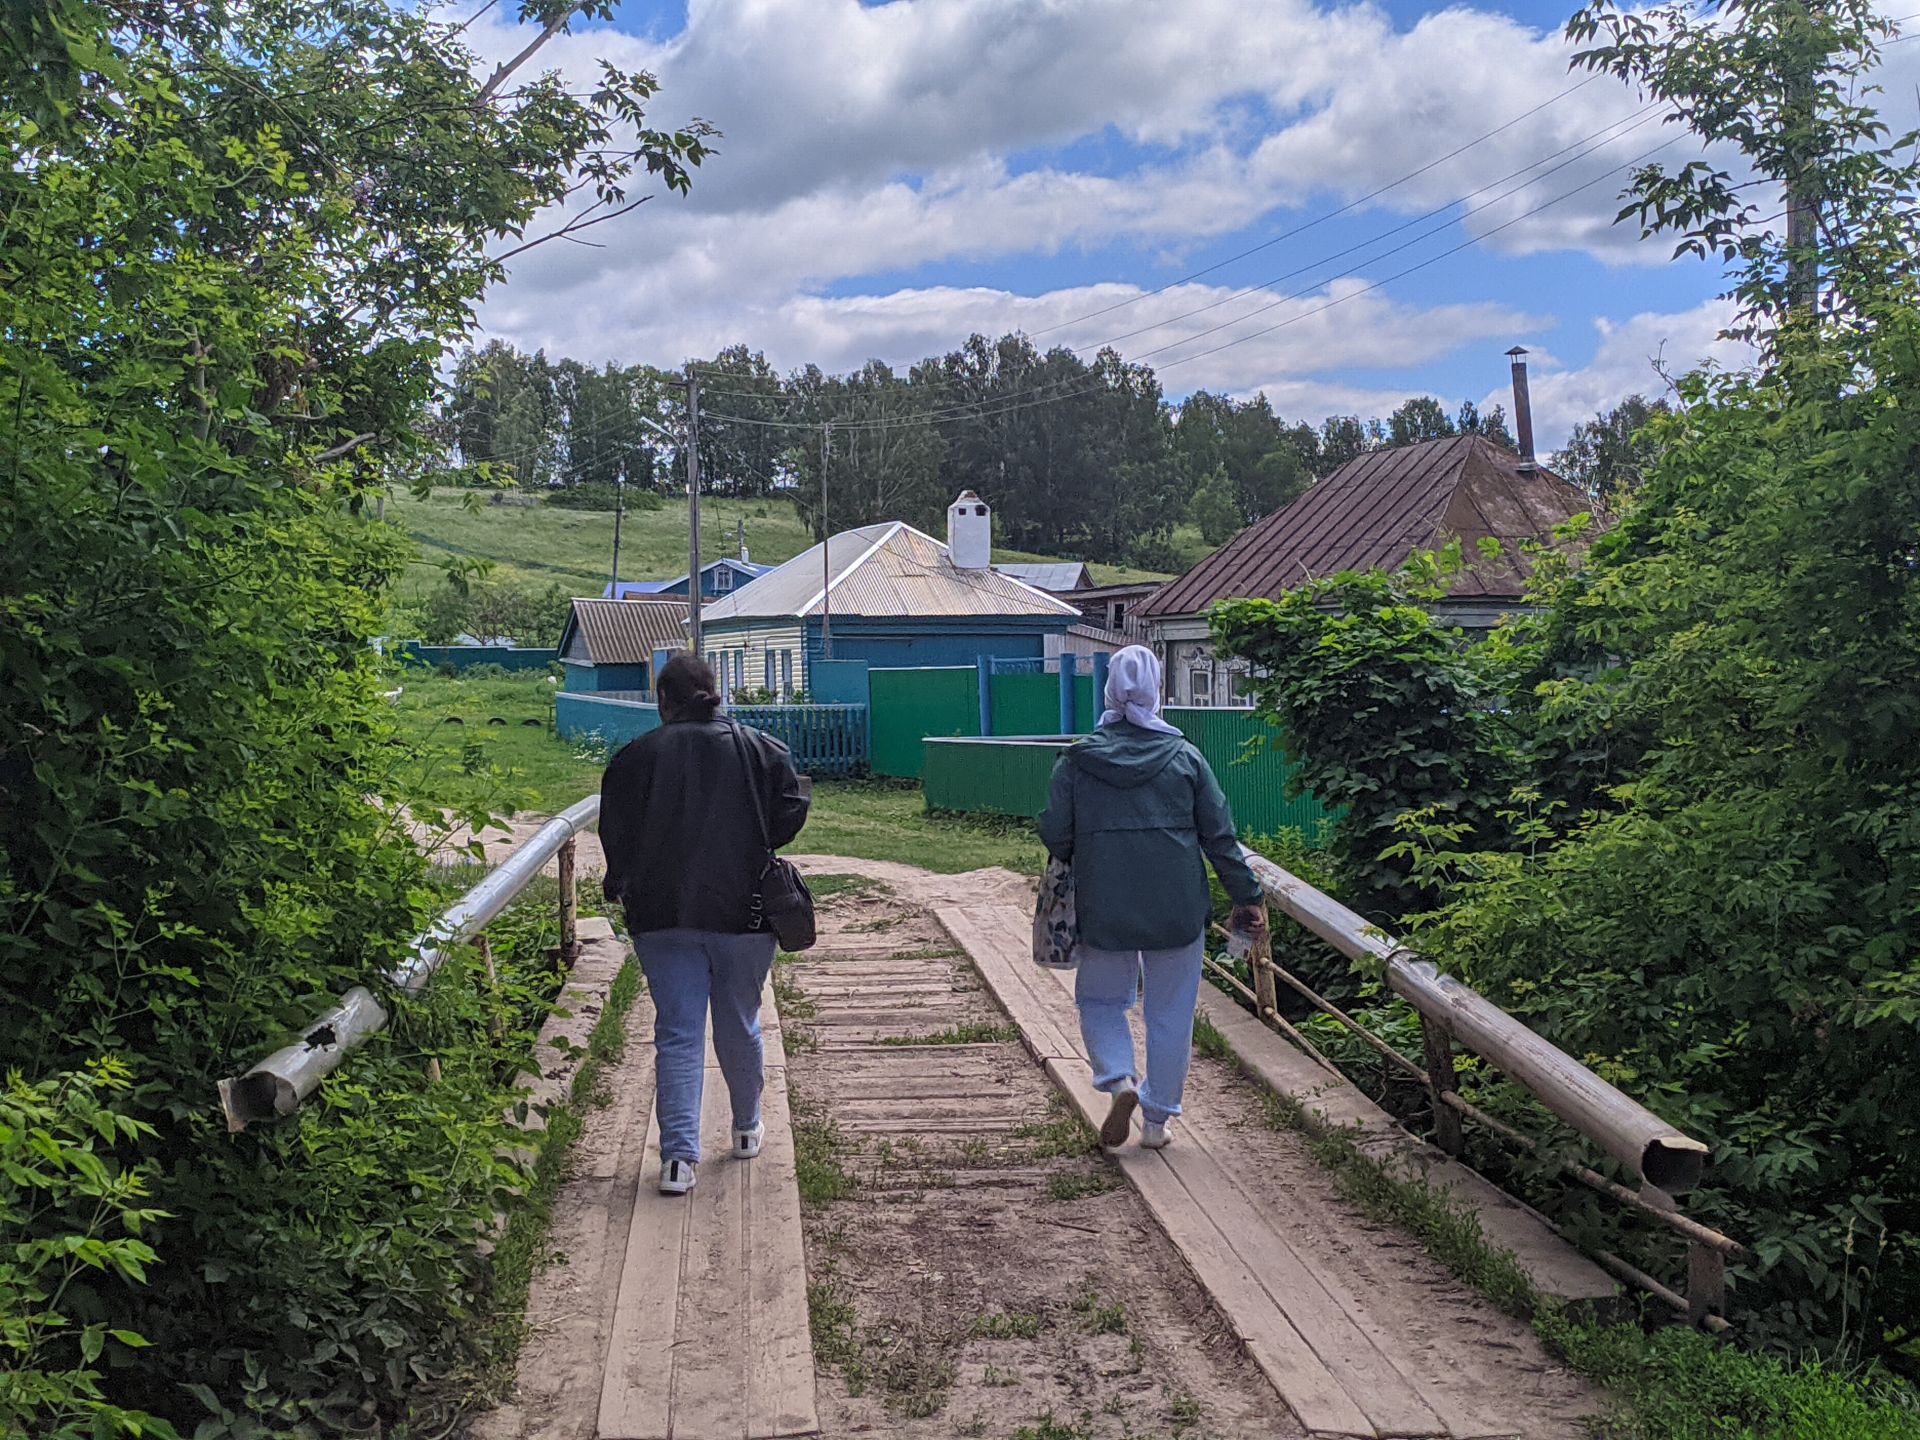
{"points": [[1803, 261], [619, 509], [826, 560], [693, 506]]}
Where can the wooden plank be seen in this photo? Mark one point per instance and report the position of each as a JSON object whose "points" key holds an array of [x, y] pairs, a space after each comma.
{"points": [[781, 1396], [709, 1360], [989, 934], [634, 1387], [1551, 1264], [1298, 1374]]}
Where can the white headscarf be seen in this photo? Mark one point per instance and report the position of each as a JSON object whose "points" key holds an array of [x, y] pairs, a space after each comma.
{"points": [[1133, 690]]}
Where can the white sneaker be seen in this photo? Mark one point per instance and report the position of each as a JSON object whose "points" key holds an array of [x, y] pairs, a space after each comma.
{"points": [[746, 1143], [676, 1177], [1118, 1125], [1154, 1135]]}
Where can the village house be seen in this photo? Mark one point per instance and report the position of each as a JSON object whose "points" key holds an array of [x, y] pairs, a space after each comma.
{"points": [[886, 594], [619, 645], [1374, 512], [717, 578]]}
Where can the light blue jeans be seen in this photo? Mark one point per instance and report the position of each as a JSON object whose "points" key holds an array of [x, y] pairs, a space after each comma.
{"points": [[688, 973], [1107, 985]]}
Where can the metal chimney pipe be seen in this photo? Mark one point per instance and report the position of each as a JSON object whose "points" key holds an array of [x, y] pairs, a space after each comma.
{"points": [[1522, 403]]}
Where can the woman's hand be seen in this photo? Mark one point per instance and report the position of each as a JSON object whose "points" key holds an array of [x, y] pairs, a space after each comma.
{"points": [[1249, 919]]}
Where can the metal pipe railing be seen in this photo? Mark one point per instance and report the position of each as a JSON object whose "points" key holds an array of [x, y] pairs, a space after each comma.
{"points": [[281, 1082], [1656, 1151], [1667, 1161]]}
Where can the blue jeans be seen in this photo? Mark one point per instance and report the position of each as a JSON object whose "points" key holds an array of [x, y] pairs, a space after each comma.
{"points": [[689, 972], [1106, 987]]}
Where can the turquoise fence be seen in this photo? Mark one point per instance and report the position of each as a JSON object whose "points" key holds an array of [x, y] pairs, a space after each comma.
{"points": [[465, 657], [824, 739]]}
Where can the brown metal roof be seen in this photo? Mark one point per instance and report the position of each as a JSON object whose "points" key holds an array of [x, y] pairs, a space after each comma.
{"points": [[627, 632], [1376, 510]]}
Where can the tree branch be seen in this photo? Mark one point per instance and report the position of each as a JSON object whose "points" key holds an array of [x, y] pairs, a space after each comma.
{"points": [[344, 448], [500, 76], [566, 232]]}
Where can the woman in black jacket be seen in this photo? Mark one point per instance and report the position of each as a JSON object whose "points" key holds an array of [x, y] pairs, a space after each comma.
{"points": [[684, 855]]}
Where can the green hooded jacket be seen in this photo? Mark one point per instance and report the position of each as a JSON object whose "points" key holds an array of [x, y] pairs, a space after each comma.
{"points": [[1133, 811]]}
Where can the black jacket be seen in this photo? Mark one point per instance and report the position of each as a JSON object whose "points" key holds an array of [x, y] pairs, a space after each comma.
{"points": [[677, 823]]}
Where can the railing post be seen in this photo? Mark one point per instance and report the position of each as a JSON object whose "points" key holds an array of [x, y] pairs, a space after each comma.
{"points": [[1706, 1282], [1265, 994], [569, 906], [1443, 1082]]}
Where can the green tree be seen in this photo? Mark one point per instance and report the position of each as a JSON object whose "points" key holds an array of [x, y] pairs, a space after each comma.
{"points": [[1609, 455], [1212, 508], [238, 241], [1420, 418]]}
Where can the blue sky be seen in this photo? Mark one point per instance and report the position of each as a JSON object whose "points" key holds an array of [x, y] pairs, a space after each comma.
{"points": [[895, 177]]}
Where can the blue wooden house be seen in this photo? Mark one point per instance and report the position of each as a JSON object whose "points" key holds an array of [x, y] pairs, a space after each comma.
{"points": [[617, 645], [888, 595], [717, 578]]}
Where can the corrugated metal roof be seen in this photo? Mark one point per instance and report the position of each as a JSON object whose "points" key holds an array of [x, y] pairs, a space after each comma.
{"points": [[634, 587], [1054, 576], [890, 570], [1376, 510], [627, 632]]}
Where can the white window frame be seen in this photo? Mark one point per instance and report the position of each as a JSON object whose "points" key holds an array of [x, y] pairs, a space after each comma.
{"points": [[1196, 676]]}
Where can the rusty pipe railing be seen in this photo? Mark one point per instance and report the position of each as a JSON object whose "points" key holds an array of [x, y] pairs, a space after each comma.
{"points": [[281, 1082]]}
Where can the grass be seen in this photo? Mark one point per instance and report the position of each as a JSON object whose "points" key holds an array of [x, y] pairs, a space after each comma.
{"points": [[1100, 1317], [1065, 1187], [541, 545], [450, 745], [1063, 1135], [818, 1149], [881, 820], [972, 1033], [1008, 1325], [1671, 1383]]}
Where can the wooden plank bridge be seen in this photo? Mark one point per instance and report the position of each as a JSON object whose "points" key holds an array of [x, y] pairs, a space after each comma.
{"points": [[687, 1318]]}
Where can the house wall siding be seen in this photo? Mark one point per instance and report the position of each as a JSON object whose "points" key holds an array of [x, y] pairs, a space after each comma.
{"points": [[743, 650]]}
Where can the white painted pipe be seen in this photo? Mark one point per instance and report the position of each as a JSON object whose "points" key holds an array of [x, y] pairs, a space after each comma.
{"points": [[281, 1082]]}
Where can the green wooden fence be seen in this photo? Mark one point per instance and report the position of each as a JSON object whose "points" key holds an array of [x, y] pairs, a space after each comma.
{"points": [[1009, 776], [1025, 704], [910, 705]]}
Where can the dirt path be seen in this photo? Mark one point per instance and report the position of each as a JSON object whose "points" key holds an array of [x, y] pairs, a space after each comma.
{"points": [[984, 1271]]}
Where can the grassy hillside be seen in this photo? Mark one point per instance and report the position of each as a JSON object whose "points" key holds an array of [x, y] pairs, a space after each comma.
{"points": [[539, 545]]}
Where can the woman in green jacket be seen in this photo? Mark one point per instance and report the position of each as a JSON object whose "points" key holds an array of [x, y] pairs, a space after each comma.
{"points": [[1134, 808]]}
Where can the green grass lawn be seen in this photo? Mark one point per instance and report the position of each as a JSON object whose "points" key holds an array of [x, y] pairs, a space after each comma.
{"points": [[453, 744], [540, 545]]}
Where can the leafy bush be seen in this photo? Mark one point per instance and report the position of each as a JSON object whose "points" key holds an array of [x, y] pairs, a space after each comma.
{"points": [[1685, 844], [217, 337], [600, 496], [70, 1222]]}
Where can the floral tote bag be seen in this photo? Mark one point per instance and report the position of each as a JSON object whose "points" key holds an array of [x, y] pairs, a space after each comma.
{"points": [[1055, 932]]}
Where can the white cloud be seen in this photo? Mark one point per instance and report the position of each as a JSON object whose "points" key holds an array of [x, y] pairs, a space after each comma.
{"points": [[1635, 356], [865, 142]]}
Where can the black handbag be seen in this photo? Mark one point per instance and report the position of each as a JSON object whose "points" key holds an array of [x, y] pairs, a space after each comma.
{"points": [[781, 901]]}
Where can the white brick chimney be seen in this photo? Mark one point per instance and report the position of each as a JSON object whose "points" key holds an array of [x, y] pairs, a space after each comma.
{"points": [[970, 532]]}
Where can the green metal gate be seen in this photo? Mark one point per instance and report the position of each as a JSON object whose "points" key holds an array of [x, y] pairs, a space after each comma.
{"points": [[909, 705]]}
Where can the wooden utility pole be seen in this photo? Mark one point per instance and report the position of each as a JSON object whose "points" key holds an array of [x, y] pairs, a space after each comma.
{"points": [[693, 507], [1803, 261], [826, 557]]}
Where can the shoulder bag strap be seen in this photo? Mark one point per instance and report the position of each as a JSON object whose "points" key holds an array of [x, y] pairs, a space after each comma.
{"points": [[753, 784]]}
